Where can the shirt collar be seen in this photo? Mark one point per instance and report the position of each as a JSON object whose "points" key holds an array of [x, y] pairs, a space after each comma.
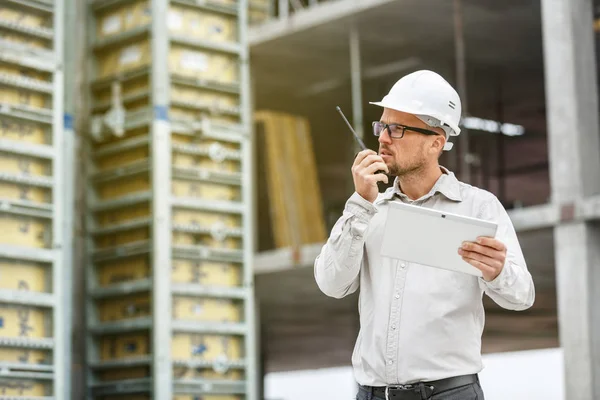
{"points": [[447, 184]]}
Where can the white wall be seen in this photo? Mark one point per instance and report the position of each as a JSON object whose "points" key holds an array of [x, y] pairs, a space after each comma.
{"points": [[524, 375]]}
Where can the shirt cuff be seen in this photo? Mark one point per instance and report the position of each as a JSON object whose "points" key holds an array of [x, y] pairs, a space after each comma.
{"points": [[360, 207], [504, 278]]}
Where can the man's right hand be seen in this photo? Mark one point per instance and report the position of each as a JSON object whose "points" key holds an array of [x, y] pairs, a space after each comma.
{"points": [[364, 169]]}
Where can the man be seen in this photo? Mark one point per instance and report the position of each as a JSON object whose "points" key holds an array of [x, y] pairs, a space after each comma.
{"points": [[420, 327]]}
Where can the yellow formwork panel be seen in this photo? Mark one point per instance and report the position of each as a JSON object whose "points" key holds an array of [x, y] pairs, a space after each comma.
{"points": [[207, 397], [122, 308], [206, 273], [25, 40], [205, 218], [24, 322], [180, 238], [206, 65], [25, 356], [191, 346], [206, 373], [121, 215], [128, 88], [23, 388], [122, 187], [20, 275], [124, 373], [125, 397], [24, 18], [118, 347], [122, 159], [19, 96], [122, 238], [201, 98], [25, 165], [117, 271], [25, 231], [189, 160], [124, 58], [206, 191], [199, 24], [14, 191], [181, 114], [24, 132], [206, 309], [205, 161], [123, 19]]}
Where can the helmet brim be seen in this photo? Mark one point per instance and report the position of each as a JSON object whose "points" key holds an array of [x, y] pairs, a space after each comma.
{"points": [[408, 110]]}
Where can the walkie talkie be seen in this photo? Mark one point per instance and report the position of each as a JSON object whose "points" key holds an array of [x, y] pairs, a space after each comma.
{"points": [[358, 139]]}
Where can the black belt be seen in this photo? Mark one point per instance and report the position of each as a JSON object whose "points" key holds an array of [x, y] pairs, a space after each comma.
{"points": [[420, 389]]}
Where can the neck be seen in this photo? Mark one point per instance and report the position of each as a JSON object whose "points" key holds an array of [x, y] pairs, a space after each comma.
{"points": [[418, 183]]}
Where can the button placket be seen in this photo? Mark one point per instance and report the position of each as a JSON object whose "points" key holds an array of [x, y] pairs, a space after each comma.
{"points": [[394, 323]]}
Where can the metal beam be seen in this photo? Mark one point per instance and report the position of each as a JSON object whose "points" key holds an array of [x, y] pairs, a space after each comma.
{"points": [[573, 137]]}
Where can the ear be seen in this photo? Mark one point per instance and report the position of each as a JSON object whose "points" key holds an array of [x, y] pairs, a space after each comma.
{"points": [[438, 144]]}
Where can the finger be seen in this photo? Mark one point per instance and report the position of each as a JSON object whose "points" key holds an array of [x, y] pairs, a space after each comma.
{"points": [[380, 178], [362, 155], [491, 242], [477, 248], [370, 159], [492, 262], [376, 166], [484, 268]]}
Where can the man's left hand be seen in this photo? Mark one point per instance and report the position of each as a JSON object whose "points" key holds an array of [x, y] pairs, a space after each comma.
{"points": [[487, 254]]}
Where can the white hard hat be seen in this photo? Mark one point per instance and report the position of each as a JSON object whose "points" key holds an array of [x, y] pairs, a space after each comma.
{"points": [[428, 96]]}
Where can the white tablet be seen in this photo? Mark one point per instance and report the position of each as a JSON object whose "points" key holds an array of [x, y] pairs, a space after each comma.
{"points": [[431, 237]]}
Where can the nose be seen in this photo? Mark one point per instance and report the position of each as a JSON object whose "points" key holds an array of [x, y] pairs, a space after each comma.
{"points": [[384, 137]]}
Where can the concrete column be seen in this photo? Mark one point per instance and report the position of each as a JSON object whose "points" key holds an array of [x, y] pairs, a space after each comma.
{"points": [[355, 72], [574, 150]]}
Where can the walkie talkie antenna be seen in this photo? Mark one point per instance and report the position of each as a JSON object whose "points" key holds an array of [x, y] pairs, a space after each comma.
{"points": [[360, 142]]}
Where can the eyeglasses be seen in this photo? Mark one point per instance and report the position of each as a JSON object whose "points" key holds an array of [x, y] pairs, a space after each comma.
{"points": [[396, 131]]}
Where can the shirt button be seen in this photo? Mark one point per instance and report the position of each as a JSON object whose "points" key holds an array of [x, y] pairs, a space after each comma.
{"points": [[397, 296], [390, 362], [403, 265], [393, 326]]}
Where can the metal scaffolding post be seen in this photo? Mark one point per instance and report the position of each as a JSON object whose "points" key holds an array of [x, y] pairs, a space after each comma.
{"points": [[572, 110], [463, 151], [160, 143], [355, 72]]}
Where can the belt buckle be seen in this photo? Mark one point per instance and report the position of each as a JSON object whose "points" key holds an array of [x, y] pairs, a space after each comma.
{"points": [[401, 387]]}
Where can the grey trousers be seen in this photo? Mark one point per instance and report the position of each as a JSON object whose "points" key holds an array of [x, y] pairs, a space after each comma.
{"points": [[468, 392]]}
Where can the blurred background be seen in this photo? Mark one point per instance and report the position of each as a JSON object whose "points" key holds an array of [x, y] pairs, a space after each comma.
{"points": [[170, 169]]}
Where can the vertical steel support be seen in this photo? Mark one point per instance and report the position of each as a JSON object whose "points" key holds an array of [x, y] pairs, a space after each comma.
{"points": [[68, 60], [160, 151], [61, 327], [355, 73], [284, 9], [461, 79], [573, 138], [247, 166]]}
